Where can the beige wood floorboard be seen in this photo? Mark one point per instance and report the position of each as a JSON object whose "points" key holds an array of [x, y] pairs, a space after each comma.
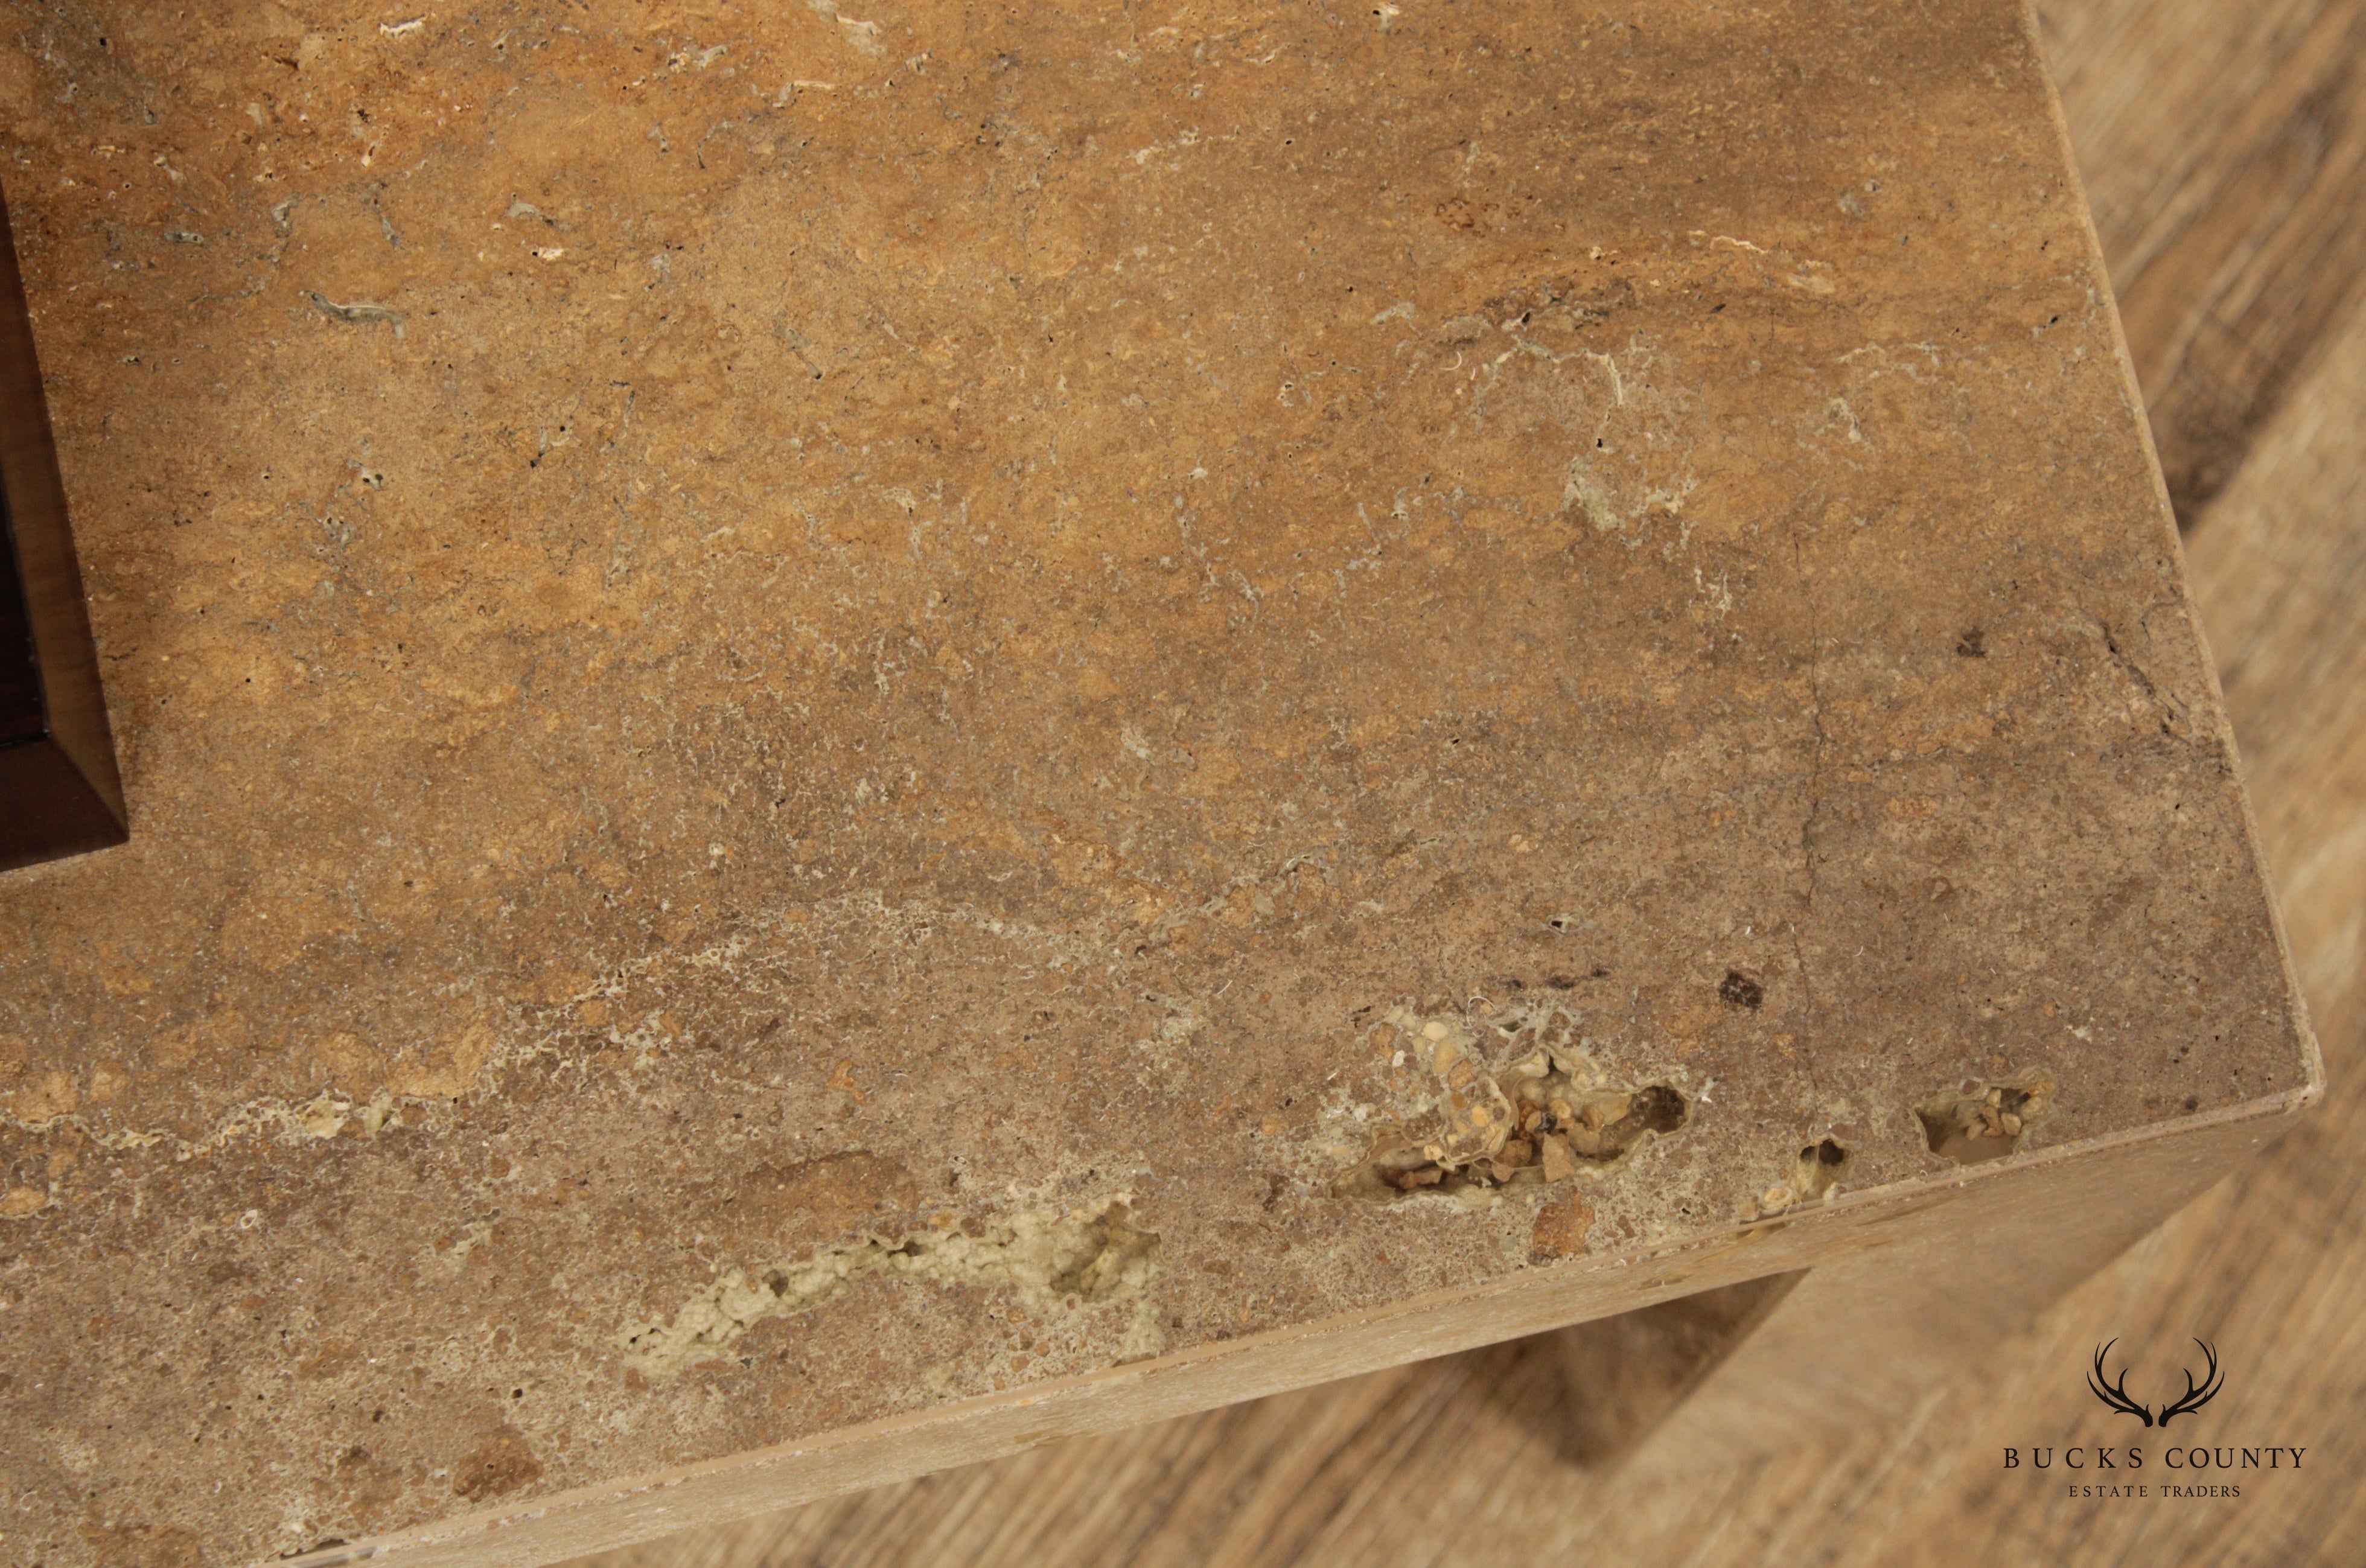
{"points": [[2223, 148]]}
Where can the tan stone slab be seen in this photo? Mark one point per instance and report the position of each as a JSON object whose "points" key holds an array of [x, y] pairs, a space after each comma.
{"points": [[817, 708]]}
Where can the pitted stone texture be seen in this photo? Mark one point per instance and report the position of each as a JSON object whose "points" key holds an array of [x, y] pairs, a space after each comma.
{"points": [[766, 639]]}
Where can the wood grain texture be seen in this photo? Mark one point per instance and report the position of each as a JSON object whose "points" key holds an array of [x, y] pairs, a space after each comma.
{"points": [[2221, 150], [1623, 1375], [2225, 152]]}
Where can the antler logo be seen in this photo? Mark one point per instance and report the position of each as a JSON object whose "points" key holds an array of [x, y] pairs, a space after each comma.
{"points": [[2115, 1394]]}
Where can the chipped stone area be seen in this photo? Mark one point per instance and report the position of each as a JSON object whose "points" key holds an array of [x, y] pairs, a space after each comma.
{"points": [[1055, 1263], [1544, 1119], [1986, 1122], [1815, 1178]]}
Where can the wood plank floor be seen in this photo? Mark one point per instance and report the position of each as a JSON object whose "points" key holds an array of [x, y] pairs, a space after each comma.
{"points": [[2224, 149]]}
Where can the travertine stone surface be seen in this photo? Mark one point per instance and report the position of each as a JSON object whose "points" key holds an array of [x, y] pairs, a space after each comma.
{"points": [[814, 705]]}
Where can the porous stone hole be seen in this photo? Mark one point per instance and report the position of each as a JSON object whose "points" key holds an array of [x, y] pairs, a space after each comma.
{"points": [[1117, 1245], [1820, 1168], [1814, 1177], [1552, 1130], [1985, 1121], [1739, 990]]}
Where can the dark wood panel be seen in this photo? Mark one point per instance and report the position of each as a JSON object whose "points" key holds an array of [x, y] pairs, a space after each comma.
{"points": [[59, 793], [21, 716]]}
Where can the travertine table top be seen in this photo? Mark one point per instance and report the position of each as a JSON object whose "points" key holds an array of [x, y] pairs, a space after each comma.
{"points": [[826, 713]]}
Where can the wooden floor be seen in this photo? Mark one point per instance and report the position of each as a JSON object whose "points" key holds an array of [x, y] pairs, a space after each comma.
{"points": [[2224, 149]]}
